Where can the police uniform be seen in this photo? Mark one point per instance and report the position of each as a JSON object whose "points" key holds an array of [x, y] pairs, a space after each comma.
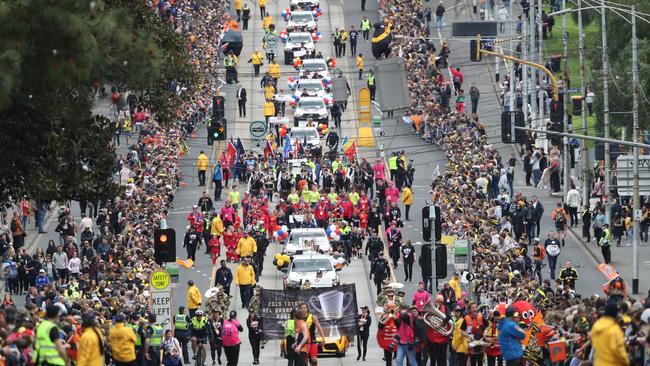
{"points": [[181, 325]]}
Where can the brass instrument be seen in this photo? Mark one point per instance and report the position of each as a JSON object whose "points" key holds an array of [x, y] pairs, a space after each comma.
{"points": [[386, 314], [435, 319]]}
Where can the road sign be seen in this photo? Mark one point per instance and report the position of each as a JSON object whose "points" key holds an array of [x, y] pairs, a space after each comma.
{"points": [[625, 174], [162, 306], [160, 280], [257, 130], [172, 269]]}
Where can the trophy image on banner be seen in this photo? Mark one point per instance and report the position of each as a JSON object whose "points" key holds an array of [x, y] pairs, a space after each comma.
{"points": [[331, 305]]}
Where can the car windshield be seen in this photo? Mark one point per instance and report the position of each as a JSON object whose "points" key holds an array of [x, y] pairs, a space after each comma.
{"points": [[311, 104], [302, 18], [312, 265], [314, 66], [311, 134], [314, 85], [300, 38]]}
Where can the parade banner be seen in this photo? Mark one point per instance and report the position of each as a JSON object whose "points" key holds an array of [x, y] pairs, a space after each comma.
{"points": [[335, 307]]}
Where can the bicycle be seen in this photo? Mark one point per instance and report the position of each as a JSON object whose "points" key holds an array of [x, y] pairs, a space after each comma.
{"points": [[200, 352]]}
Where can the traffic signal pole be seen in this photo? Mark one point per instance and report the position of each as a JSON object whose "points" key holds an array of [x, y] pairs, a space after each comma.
{"points": [[548, 73], [434, 272], [636, 200], [565, 56]]}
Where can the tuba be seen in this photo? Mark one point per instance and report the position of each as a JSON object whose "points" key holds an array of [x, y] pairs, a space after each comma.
{"points": [[437, 320]]}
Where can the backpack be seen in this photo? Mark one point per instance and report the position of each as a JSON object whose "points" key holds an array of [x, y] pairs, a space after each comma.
{"points": [[553, 249], [560, 221]]}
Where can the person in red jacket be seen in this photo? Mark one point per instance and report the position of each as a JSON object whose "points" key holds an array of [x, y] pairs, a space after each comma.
{"points": [[215, 248], [437, 341], [456, 77], [348, 208]]}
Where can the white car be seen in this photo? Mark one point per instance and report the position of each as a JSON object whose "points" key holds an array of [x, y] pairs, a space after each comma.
{"points": [[303, 240], [310, 107], [311, 88], [304, 4], [310, 134], [311, 270], [313, 66], [299, 44], [301, 21]]}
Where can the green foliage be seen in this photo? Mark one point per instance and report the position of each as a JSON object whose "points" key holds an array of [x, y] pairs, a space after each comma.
{"points": [[51, 55]]}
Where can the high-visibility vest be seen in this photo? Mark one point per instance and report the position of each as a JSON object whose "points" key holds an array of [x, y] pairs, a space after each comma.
{"points": [[46, 351], [392, 163], [199, 324], [138, 341], [370, 78], [365, 25], [156, 337], [180, 322]]}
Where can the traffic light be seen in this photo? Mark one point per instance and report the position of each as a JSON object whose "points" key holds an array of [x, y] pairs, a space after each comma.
{"points": [[474, 53], [441, 261], [506, 128], [556, 140], [218, 108], [164, 246], [218, 130], [426, 224], [557, 111]]}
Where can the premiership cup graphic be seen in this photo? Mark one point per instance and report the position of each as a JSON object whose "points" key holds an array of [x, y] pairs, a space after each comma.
{"points": [[332, 306]]}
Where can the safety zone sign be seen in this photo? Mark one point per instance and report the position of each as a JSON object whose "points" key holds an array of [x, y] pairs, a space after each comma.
{"points": [[161, 298]]}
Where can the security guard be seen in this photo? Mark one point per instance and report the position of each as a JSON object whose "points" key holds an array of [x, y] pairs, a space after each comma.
{"points": [[208, 124], [370, 80], [230, 63], [365, 28], [153, 340], [181, 327], [50, 349], [392, 165], [137, 328]]}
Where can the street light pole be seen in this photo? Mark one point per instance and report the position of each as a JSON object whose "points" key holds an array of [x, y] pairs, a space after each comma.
{"points": [[565, 56], [583, 87], [605, 60], [635, 180]]}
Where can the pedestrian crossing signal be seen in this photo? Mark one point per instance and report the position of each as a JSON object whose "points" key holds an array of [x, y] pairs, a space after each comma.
{"points": [[164, 246], [218, 130]]}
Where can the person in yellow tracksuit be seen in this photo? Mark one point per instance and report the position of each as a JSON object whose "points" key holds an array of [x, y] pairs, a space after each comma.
{"points": [[407, 200], [608, 339], [267, 20], [202, 163], [246, 246], [269, 110], [274, 70], [194, 298], [245, 279], [360, 65], [239, 4], [269, 91], [262, 5], [256, 58]]}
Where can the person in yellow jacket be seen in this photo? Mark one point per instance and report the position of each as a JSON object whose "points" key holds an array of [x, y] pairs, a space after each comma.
{"points": [[360, 65], [256, 58], [262, 5], [454, 283], [246, 246], [269, 91], [202, 163], [216, 227], [239, 5], [269, 110], [274, 70], [344, 39], [459, 341], [194, 298], [267, 20], [122, 340], [91, 343], [608, 339], [245, 279], [407, 200]]}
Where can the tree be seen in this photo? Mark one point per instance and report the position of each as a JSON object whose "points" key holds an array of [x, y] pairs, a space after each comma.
{"points": [[52, 54]]}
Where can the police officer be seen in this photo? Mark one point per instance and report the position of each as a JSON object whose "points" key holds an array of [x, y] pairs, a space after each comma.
{"points": [[246, 14], [365, 28], [50, 348], [374, 246], [181, 327], [605, 243], [336, 36], [370, 80], [379, 270], [392, 165], [153, 340], [137, 328]]}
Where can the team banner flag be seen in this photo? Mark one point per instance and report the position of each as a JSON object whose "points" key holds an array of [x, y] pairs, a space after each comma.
{"points": [[335, 307]]}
